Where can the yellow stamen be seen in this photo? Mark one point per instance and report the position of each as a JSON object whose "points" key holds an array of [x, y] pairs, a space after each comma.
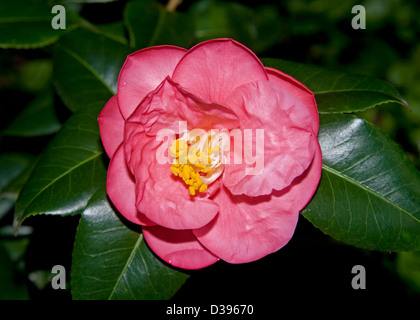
{"points": [[175, 170], [187, 171], [206, 170], [192, 158], [192, 191]]}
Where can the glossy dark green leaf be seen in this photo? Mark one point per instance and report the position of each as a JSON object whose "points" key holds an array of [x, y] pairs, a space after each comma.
{"points": [[112, 261], [11, 166], [37, 119], [27, 24], [214, 19], [369, 193], [68, 172], [149, 23], [339, 92], [115, 31], [86, 68], [14, 170], [258, 28]]}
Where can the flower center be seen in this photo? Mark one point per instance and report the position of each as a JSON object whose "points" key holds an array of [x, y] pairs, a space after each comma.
{"points": [[199, 159]]}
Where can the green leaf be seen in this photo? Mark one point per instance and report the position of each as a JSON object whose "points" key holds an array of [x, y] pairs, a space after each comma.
{"points": [[68, 172], [149, 23], [35, 75], [86, 68], [28, 24], [339, 92], [37, 119], [408, 268], [112, 261], [10, 289], [15, 244], [115, 31], [41, 278], [259, 27], [11, 166], [214, 19], [14, 170], [369, 193]]}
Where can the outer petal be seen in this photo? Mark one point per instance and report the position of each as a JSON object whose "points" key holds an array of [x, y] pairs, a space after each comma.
{"points": [[120, 187], [299, 90], [111, 126], [212, 69], [304, 186], [142, 72], [247, 229], [179, 248], [287, 149]]}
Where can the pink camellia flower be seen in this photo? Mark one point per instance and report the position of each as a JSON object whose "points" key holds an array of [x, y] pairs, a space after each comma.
{"points": [[211, 152]]}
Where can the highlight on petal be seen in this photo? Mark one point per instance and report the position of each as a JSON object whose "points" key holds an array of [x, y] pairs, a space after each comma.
{"points": [[299, 90], [286, 149], [142, 72], [249, 228], [212, 69], [111, 126], [179, 248], [120, 187]]}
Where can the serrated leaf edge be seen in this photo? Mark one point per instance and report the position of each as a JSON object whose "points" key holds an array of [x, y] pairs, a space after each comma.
{"points": [[19, 215]]}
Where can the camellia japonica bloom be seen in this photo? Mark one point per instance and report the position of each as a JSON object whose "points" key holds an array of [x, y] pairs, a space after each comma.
{"points": [[211, 152]]}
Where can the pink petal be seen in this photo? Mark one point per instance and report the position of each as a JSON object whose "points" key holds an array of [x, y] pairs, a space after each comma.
{"points": [[142, 72], [287, 149], [304, 186], [212, 69], [247, 229], [299, 90], [169, 104], [111, 126], [179, 248], [162, 197], [120, 187], [302, 189]]}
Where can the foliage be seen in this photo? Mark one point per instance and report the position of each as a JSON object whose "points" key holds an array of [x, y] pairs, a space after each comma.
{"points": [[55, 82]]}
